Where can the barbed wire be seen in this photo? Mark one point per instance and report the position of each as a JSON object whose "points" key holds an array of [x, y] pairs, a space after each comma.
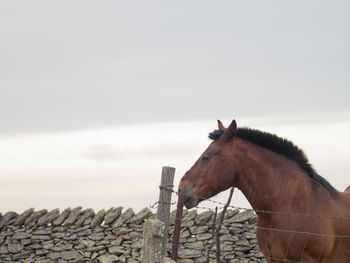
{"points": [[172, 218], [221, 206], [302, 232]]}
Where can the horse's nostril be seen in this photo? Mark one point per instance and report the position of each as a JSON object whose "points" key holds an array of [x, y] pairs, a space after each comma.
{"points": [[187, 198]]}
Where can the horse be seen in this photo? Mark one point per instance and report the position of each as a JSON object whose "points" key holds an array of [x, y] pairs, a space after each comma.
{"points": [[301, 217]]}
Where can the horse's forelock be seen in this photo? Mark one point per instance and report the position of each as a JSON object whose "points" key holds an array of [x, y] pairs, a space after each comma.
{"points": [[216, 134]]}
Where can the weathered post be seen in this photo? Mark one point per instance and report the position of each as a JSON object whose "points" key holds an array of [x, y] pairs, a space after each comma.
{"points": [[152, 240], [155, 230], [163, 211]]}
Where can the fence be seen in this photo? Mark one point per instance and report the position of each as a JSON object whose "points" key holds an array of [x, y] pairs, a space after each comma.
{"points": [[213, 228], [77, 235], [218, 224]]}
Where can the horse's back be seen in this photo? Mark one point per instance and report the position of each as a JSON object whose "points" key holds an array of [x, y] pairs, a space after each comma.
{"points": [[347, 190]]}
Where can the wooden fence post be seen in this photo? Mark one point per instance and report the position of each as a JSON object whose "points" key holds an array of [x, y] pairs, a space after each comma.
{"points": [[152, 239], [163, 211]]}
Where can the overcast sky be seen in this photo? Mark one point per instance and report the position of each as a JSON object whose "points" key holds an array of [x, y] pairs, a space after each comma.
{"points": [[76, 75], [80, 64]]}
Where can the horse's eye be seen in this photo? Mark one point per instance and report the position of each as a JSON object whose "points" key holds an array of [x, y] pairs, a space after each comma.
{"points": [[205, 158]]}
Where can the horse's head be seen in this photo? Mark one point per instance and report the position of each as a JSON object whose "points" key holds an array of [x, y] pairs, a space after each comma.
{"points": [[212, 172]]}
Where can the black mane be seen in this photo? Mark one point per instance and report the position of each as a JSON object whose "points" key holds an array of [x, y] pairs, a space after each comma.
{"points": [[281, 146]]}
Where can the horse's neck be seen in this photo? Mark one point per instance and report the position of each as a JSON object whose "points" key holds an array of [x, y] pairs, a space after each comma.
{"points": [[266, 179]]}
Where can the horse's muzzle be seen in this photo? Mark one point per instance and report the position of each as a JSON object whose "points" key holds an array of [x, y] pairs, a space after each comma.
{"points": [[190, 198], [191, 202]]}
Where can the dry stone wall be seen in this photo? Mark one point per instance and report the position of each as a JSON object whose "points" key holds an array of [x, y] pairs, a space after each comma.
{"points": [[115, 235]]}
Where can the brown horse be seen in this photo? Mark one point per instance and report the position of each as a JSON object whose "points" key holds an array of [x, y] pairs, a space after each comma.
{"points": [[301, 217]]}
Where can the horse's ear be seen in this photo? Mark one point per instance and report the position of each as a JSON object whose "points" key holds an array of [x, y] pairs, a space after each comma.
{"points": [[230, 131], [220, 125]]}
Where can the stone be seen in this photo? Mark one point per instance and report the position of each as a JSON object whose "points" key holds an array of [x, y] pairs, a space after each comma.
{"points": [[49, 217], [112, 214], [189, 253], [253, 220], [34, 216], [21, 235], [43, 261], [134, 235], [95, 249], [188, 219], [137, 245], [230, 213], [141, 216], [6, 218], [98, 218], [116, 250], [187, 260], [189, 214], [46, 231], [22, 255], [61, 218], [226, 237], [103, 242], [88, 213], [58, 235], [117, 241], [108, 259], [14, 248], [204, 218], [204, 236], [242, 242], [41, 252], [25, 242], [33, 246], [48, 245], [71, 237], [71, 254], [22, 217], [3, 250], [62, 247], [197, 245], [59, 228], [124, 218], [85, 232], [87, 243], [199, 230], [250, 235], [121, 231], [88, 221], [242, 217], [96, 236], [73, 216], [41, 237]]}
